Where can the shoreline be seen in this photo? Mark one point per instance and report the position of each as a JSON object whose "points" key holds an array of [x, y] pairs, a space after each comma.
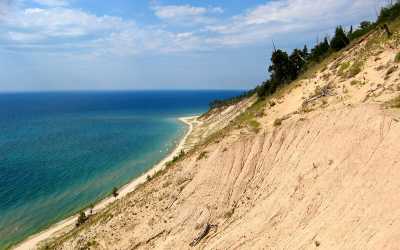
{"points": [[67, 224]]}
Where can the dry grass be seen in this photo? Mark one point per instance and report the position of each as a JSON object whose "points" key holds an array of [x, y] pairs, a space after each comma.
{"points": [[355, 83], [326, 76], [202, 155], [248, 118], [394, 103], [343, 68], [355, 69], [350, 69], [315, 67]]}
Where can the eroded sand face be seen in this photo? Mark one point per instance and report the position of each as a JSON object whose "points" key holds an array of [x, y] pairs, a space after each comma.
{"points": [[329, 180], [326, 177]]}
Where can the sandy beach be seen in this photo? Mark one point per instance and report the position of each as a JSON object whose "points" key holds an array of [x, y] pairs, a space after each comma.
{"points": [[69, 223]]}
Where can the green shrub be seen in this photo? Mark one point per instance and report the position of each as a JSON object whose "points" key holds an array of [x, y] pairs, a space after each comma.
{"points": [[343, 67], [255, 125], [115, 192], [202, 155], [355, 82], [397, 58], [355, 69], [81, 219], [176, 158]]}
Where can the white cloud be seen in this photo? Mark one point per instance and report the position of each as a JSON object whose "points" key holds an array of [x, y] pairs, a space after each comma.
{"points": [[58, 26], [186, 14], [289, 16], [178, 11], [62, 22], [22, 37], [52, 3], [75, 30]]}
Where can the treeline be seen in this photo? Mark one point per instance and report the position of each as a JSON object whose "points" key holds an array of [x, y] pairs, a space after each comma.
{"points": [[286, 68], [226, 102]]}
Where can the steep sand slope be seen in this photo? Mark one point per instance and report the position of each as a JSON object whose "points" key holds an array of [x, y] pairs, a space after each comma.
{"points": [[322, 171], [330, 180]]}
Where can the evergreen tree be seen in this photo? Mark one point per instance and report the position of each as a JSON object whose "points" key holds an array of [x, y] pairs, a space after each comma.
{"points": [[282, 69], [350, 31], [340, 40], [320, 50], [298, 61], [365, 24], [305, 52]]}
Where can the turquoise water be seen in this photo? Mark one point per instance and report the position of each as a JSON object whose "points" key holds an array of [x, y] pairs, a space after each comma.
{"points": [[59, 152]]}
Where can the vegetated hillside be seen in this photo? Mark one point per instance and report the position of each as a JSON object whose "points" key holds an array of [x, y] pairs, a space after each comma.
{"points": [[316, 164]]}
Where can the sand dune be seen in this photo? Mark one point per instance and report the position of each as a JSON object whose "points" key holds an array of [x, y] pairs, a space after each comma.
{"points": [[321, 171]]}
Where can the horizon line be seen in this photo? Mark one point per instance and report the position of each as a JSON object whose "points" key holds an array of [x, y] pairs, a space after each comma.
{"points": [[111, 90]]}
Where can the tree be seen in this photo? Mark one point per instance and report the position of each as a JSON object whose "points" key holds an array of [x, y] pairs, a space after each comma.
{"points": [[320, 50], [305, 52], [81, 219], [115, 192], [340, 40], [350, 32], [365, 24], [91, 206], [267, 88], [282, 69], [298, 60], [389, 13]]}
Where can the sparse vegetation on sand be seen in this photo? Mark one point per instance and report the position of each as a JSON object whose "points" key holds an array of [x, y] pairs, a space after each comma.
{"points": [[397, 58], [82, 218], [115, 192], [202, 155], [394, 103]]}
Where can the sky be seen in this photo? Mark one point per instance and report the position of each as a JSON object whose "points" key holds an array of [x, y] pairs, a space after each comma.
{"points": [[53, 45]]}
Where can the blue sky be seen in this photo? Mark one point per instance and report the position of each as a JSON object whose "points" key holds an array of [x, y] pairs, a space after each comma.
{"points": [[158, 44]]}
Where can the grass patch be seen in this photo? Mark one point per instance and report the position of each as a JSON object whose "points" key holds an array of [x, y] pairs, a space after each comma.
{"points": [[202, 155], [355, 82], [176, 158], [355, 69], [254, 125], [397, 58], [314, 67], [228, 214], [343, 68], [248, 118]]}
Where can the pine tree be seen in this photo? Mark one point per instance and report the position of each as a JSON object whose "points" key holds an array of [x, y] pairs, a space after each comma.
{"points": [[340, 40]]}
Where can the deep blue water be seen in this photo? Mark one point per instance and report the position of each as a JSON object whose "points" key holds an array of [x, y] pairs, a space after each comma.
{"points": [[59, 152]]}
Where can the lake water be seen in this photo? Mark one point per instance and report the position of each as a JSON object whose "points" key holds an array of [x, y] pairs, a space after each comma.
{"points": [[61, 151]]}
